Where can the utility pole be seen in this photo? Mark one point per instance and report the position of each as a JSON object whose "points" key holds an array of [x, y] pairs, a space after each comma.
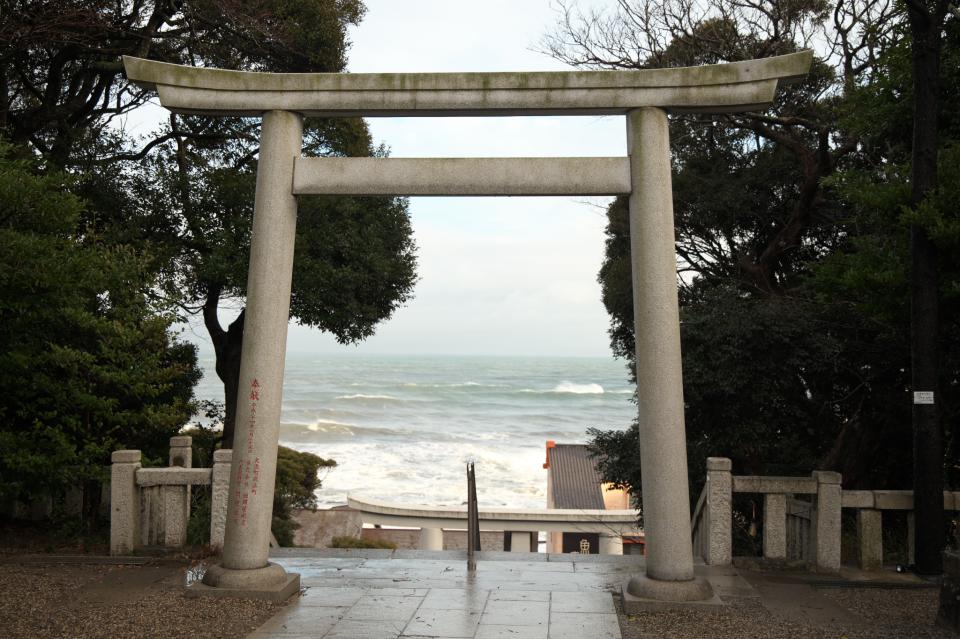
{"points": [[926, 24]]}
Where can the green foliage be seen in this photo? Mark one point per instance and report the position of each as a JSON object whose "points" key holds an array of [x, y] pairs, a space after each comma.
{"points": [[354, 259], [283, 529], [298, 478], [85, 364], [204, 433], [794, 284], [771, 415], [198, 526], [615, 453], [183, 195], [62, 81], [356, 542]]}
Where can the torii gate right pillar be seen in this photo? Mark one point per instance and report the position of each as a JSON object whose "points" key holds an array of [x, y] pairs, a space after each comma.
{"points": [[663, 450]]}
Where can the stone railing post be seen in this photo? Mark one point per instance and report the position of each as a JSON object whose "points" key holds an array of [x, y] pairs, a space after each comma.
{"points": [[181, 451], [610, 544], [827, 523], [719, 547], [870, 538], [124, 502], [775, 526], [176, 499], [521, 542], [431, 539], [219, 495]]}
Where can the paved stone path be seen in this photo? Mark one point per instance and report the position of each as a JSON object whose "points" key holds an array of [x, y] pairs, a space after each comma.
{"points": [[390, 594], [393, 594]]}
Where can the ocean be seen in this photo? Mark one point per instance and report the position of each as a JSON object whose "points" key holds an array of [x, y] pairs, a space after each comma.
{"points": [[401, 428]]}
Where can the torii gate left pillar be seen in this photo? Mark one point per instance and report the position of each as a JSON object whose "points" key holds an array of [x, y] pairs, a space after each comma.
{"points": [[644, 97], [246, 545]]}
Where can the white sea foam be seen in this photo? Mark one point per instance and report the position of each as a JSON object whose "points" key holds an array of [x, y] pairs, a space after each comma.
{"points": [[363, 396], [434, 473], [578, 389], [568, 388], [324, 427], [455, 385]]}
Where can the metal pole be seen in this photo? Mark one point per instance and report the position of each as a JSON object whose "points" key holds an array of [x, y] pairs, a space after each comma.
{"points": [[473, 533]]}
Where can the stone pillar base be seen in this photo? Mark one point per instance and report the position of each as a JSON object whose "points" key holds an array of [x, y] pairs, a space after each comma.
{"points": [[643, 594], [270, 583]]}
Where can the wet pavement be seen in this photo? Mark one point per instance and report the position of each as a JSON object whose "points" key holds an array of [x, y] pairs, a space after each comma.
{"points": [[369, 594], [392, 594]]}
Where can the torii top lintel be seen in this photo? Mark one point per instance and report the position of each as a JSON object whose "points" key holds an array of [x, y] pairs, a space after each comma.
{"points": [[720, 88]]}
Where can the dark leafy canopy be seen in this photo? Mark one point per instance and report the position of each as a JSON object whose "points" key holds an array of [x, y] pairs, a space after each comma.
{"points": [[60, 71], [792, 239], [297, 482], [164, 226], [183, 193], [355, 258], [354, 261], [86, 367]]}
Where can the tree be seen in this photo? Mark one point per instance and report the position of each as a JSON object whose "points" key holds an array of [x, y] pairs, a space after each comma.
{"points": [[799, 131], [86, 365], [790, 235], [63, 94], [750, 209], [355, 258], [61, 76], [354, 261], [910, 221]]}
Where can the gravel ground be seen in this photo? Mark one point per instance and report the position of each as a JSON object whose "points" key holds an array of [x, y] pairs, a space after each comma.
{"points": [[887, 614], [90, 601]]}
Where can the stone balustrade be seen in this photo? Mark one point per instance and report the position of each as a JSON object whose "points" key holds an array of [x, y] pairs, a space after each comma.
{"points": [[151, 506], [521, 524], [807, 527]]}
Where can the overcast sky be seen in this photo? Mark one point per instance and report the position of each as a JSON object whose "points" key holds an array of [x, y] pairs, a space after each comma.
{"points": [[498, 276]]}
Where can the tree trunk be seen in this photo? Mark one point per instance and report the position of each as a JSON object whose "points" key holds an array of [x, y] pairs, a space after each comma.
{"points": [[228, 347], [228, 370], [926, 22], [90, 504]]}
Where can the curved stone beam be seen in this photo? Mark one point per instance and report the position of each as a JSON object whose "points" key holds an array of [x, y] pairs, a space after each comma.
{"points": [[514, 519], [720, 88]]}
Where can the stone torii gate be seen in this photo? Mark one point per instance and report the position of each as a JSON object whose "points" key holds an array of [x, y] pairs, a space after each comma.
{"points": [[644, 97]]}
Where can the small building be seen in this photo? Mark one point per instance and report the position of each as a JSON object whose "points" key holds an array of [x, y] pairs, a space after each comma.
{"points": [[574, 482]]}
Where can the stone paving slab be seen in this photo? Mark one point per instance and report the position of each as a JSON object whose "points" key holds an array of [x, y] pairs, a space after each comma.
{"points": [[472, 599], [508, 632], [516, 613], [576, 625], [596, 602], [444, 623], [520, 595]]}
